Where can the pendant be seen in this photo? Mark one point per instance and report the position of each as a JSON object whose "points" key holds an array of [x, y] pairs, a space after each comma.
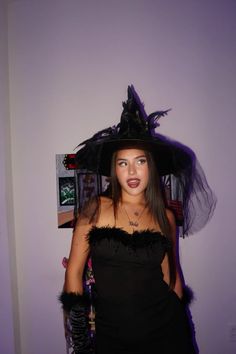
{"points": [[133, 223]]}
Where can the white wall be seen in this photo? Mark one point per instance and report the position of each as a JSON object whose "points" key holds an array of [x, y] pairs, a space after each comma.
{"points": [[70, 64], [9, 333]]}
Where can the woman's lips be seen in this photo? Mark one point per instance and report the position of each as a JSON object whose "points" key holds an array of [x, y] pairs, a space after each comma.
{"points": [[133, 182]]}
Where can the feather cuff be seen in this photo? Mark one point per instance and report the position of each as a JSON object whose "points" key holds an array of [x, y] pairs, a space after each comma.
{"points": [[188, 296], [70, 300], [76, 308]]}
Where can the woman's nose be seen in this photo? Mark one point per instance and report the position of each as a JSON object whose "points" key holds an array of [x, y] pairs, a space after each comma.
{"points": [[132, 169]]}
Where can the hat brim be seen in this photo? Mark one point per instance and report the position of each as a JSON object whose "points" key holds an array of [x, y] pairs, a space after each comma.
{"points": [[170, 156]]}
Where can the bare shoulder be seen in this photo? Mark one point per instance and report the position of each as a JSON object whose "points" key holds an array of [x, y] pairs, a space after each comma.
{"points": [[105, 202], [106, 215]]}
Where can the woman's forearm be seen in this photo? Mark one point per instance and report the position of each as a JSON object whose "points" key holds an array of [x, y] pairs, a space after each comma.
{"points": [[178, 286], [73, 282]]}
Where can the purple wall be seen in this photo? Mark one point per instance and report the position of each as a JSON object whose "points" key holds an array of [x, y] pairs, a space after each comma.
{"points": [[70, 63]]}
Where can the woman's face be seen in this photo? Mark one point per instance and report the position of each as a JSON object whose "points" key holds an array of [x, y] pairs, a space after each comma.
{"points": [[132, 171]]}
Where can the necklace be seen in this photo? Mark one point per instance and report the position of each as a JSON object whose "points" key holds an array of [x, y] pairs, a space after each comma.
{"points": [[136, 213]]}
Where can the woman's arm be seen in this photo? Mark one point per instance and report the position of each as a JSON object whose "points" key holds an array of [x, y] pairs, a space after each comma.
{"points": [[74, 303], [178, 288], [80, 245], [77, 260]]}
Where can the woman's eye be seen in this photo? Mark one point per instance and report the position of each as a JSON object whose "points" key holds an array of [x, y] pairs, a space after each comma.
{"points": [[141, 161], [122, 163]]}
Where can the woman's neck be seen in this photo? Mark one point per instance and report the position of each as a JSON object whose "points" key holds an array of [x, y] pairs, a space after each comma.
{"points": [[133, 199]]}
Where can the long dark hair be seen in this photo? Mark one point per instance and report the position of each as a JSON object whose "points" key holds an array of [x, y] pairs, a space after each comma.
{"points": [[155, 202]]}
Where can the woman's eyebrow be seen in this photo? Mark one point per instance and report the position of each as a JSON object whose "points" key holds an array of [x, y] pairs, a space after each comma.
{"points": [[138, 157], [135, 158]]}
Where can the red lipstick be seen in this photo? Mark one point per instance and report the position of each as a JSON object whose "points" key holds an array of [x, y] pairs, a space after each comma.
{"points": [[133, 182]]}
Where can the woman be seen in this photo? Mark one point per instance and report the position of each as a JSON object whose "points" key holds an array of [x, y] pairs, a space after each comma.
{"points": [[131, 238]]}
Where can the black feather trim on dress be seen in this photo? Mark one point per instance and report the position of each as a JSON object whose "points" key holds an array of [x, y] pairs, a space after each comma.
{"points": [[138, 239]]}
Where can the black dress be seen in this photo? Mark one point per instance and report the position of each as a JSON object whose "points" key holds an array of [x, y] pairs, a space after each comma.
{"points": [[136, 312]]}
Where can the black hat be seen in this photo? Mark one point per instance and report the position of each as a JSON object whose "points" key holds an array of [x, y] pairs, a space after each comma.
{"points": [[135, 129], [174, 160]]}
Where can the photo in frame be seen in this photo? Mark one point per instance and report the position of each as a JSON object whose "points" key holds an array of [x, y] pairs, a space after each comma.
{"points": [[66, 189], [74, 187]]}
